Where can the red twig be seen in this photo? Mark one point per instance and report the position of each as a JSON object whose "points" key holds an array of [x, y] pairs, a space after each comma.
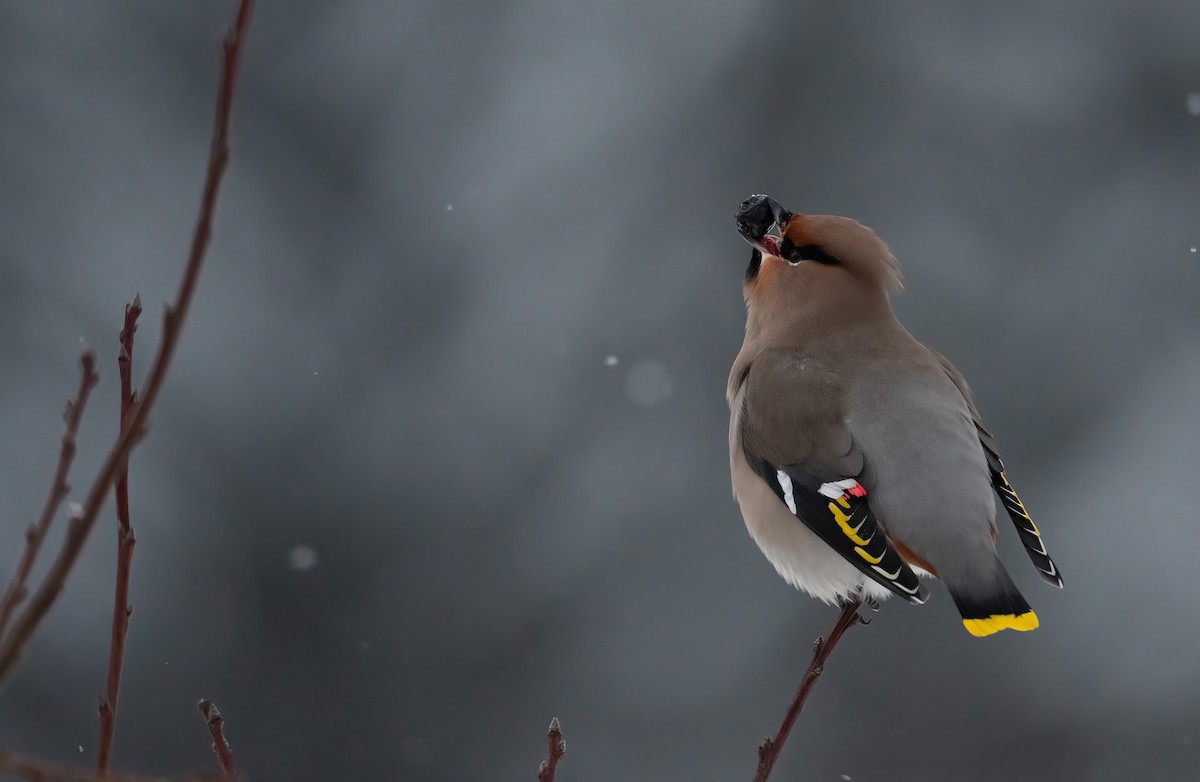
{"points": [[768, 751], [38, 771], [173, 318], [216, 726], [126, 540], [58, 490], [556, 748]]}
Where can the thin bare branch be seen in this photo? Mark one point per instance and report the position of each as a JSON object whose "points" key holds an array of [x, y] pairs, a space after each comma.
{"points": [[768, 751], [81, 525], [216, 726], [556, 747], [58, 490], [26, 768], [126, 540]]}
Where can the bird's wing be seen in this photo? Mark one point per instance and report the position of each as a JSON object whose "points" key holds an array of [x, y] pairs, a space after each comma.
{"points": [[1031, 536], [794, 437]]}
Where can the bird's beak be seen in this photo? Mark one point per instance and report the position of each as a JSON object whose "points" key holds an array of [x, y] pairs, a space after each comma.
{"points": [[755, 218]]}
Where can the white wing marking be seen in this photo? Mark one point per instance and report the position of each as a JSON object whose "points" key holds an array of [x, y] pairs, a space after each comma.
{"points": [[887, 575], [785, 483]]}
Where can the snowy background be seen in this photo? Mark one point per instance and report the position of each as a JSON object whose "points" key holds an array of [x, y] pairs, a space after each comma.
{"points": [[444, 453]]}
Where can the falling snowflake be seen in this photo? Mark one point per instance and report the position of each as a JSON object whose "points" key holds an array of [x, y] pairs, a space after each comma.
{"points": [[1193, 104], [611, 360]]}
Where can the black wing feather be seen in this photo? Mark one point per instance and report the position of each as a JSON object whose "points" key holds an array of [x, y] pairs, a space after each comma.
{"points": [[846, 524], [1031, 536]]}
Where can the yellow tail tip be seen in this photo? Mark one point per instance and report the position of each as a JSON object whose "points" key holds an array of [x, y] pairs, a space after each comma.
{"points": [[997, 622]]}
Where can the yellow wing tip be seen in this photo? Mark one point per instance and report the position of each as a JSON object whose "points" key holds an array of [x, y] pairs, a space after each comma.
{"points": [[997, 622]]}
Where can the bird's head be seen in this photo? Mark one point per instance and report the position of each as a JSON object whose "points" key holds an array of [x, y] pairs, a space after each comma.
{"points": [[812, 274]]}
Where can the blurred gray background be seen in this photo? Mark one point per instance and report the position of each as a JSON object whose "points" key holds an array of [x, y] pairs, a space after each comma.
{"points": [[443, 453]]}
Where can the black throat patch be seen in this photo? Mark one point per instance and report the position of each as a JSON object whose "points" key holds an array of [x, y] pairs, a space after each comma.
{"points": [[755, 264]]}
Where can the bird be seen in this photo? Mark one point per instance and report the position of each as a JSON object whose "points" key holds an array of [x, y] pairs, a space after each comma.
{"points": [[858, 458]]}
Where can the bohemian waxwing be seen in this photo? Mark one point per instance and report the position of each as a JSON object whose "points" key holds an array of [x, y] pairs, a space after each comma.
{"points": [[858, 458]]}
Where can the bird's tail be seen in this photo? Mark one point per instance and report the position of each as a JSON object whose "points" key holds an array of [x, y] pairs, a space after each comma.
{"points": [[989, 605]]}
